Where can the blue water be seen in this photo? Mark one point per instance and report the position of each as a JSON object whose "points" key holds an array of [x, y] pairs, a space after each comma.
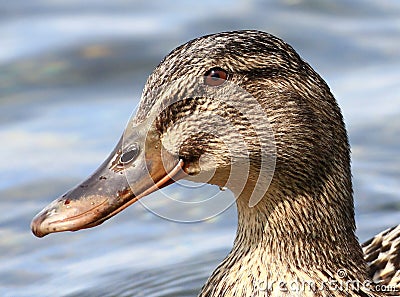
{"points": [[71, 75]]}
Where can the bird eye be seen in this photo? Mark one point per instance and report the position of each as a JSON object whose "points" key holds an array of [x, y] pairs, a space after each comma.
{"points": [[130, 154], [215, 77]]}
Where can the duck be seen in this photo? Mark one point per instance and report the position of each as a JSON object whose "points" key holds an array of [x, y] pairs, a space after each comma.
{"points": [[242, 110]]}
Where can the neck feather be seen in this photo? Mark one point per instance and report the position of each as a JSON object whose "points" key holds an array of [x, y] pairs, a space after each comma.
{"points": [[302, 238]]}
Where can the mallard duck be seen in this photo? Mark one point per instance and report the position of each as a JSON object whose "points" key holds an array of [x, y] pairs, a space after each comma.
{"points": [[246, 99]]}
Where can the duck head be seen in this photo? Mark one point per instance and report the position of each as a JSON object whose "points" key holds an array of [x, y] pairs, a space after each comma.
{"points": [[238, 109]]}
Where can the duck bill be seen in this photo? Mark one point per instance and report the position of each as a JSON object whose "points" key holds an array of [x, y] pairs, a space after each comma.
{"points": [[113, 186]]}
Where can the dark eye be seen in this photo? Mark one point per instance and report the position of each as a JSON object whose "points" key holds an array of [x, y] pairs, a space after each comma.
{"points": [[130, 154], [215, 76]]}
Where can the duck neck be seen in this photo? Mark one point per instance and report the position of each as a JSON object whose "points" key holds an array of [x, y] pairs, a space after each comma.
{"points": [[290, 239], [299, 232]]}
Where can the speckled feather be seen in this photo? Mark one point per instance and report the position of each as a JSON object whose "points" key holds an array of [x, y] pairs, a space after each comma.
{"points": [[303, 228], [382, 253]]}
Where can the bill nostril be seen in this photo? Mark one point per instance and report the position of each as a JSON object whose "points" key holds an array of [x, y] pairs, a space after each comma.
{"points": [[130, 154]]}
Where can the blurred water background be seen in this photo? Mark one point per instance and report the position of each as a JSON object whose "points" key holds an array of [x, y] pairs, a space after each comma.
{"points": [[71, 73]]}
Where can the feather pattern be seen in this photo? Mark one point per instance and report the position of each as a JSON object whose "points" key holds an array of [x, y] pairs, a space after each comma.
{"points": [[299, 240], [382, 253]]}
